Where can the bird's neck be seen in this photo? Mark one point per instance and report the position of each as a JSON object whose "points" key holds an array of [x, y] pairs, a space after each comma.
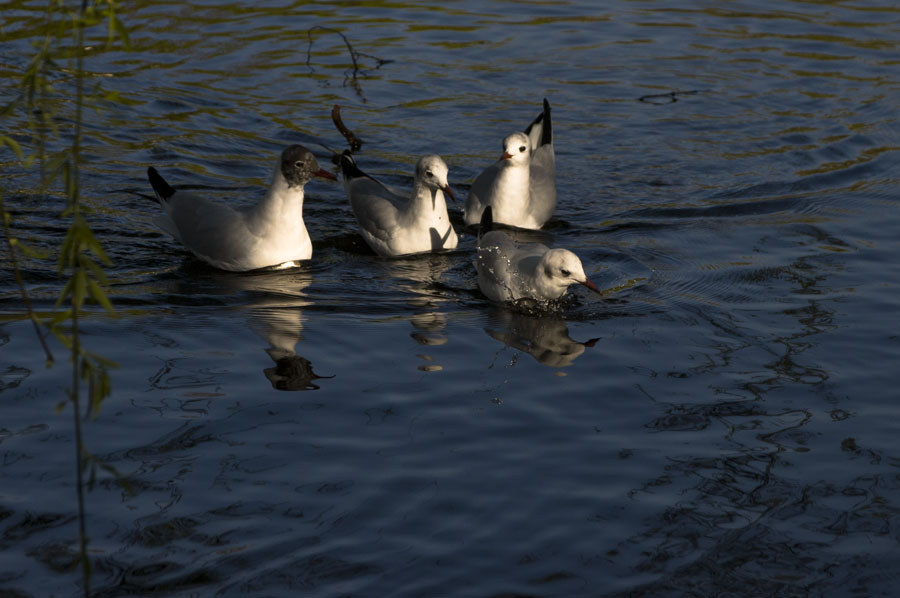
{"points": [[513, 179], [426, 201], [282, 204], [544, 284]]}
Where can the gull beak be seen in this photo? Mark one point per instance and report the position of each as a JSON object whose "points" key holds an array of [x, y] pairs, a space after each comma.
{"points": [[506, 156], [592, 286], [446, 189], [325, 174]]}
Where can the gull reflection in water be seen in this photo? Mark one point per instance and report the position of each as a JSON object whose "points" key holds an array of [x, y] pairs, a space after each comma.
{"points": [[282, 328], [544, 337], [421, 275], [275, 301]]}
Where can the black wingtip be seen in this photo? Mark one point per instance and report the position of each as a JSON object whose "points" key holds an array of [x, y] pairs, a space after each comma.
{"points": [[547, 133], [543, 119], [163, 190], [349, 168]]}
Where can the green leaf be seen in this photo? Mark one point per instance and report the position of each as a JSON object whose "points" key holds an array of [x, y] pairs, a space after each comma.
{"points": [[77, 288], [58, 318], [95, 270], [99, 296], [102, 361], [29, 251], [116, 28], [54, 165], [67, 290], [13, 145], [90, 242], [64, 339]]}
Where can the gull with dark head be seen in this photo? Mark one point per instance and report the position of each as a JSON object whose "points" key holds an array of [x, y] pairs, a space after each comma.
{"points": [[395, 224], [509, 272], [521, 185], [269, 234]]}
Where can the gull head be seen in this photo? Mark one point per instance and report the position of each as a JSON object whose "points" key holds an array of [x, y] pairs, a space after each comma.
{"points": [[516, 148], [299, 165], [432, 171], [558, 269]]}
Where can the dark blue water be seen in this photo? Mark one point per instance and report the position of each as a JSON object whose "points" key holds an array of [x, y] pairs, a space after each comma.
{"points": [[722, 422]]}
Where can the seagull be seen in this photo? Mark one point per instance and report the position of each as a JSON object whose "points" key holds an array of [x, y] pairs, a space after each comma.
{"points": [[521, 185], [509, 272], [268, 234], [393, 224]]}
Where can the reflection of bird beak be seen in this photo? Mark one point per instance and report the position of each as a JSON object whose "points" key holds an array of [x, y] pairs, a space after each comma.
{"points": [[592, 286], [325, 174], [506, 156], [446, 189]]}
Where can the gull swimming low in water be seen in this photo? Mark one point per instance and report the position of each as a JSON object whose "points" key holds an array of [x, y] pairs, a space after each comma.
{"points": [[509, 272], [270, 233], [393, 224], [521, 185]]}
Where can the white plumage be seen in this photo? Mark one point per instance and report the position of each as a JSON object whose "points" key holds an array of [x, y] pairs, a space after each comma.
{"points": [[393, 224], [509, 272], [521, 185], [270, 233]]}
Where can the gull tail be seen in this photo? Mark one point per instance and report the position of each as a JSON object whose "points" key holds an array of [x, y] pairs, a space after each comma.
{"points": [[540, 131], [163, 190]]}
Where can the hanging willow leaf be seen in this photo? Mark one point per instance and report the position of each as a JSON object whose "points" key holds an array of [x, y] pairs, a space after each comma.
{"points": [[12, 144], [100, 297]]}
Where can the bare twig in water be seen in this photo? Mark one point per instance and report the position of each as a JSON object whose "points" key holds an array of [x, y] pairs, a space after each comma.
{"points": [[355, 55], [354, 141], [666, 98]]}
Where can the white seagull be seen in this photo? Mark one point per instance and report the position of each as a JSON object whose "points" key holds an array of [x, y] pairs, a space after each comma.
{"points": [[393, 224], [270, 233], [509, 272], [521, 185]]}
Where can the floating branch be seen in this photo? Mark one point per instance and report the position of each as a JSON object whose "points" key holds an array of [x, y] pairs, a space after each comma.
{"points": [[355, 55], [666, 98]]}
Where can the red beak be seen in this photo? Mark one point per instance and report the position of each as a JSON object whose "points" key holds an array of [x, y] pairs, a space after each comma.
{"points": [[506, 156], [449, 192], [325, 174], [592, 287]]}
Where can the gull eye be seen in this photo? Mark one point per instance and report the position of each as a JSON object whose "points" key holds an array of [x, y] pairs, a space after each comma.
{"points": [[565, 273], [429, 174], [522, 148], [299, 164]]}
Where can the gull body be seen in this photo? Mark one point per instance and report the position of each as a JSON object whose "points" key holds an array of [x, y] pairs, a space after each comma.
{"points": [[393, 224], [510, 272], [521, 185], [270, 233]]}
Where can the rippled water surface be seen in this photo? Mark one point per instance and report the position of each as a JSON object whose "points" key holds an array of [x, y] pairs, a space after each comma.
{"points": [[723, 421]]}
